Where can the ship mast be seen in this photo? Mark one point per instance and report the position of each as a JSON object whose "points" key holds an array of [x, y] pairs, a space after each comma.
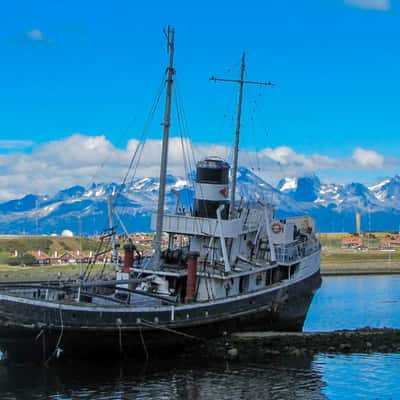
{"points": [[114, 251], [241, 83], [164, 151]]}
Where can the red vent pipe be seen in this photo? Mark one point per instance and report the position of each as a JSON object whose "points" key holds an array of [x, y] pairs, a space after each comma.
{"points": [[191, 276], [128, 257]]}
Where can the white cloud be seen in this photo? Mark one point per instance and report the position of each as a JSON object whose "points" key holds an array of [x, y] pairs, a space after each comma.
{"points": [[286, 156], [368, 158], [380, 5], [35, 34], [82, 159]]}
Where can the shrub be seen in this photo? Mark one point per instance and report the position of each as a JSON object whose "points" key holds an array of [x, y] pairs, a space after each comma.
{"points": [[14, 261], [28, 259]]}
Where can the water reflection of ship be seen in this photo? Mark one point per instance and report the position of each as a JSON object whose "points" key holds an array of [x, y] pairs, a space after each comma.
{"points": [[293, 378]]}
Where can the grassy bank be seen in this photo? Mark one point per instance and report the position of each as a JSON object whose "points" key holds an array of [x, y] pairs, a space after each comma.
{"points": [[9, 245], [360, 269], [370, 260], [52, 272], [346, 256]]}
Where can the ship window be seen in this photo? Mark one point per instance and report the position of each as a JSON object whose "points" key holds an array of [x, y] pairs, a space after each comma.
{"points": [[243, 284], [268, 278], [293, 269], [284, 272], [276, 276]]}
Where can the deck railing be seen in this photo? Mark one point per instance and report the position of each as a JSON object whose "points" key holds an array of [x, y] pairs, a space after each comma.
{"points": [[188, 225], [293, 252]]}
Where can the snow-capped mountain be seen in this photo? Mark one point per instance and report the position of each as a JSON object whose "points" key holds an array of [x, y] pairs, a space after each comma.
{"points": [[287, 185], [350, 196], [84, 210], [303, 189], [387, 190]]}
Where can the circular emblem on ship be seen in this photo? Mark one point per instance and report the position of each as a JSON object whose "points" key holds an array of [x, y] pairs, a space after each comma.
{"points": [[224, 192], [277, 227]]}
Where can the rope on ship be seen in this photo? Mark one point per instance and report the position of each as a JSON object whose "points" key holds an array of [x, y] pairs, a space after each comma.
{"points": [[137, 155], [143, 343], [189, 160], [103, 248], [57, 351], [149, 324]]}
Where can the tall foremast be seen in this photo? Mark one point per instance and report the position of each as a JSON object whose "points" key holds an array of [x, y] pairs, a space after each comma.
{"points": [[237, 136], [241, 83], [164, 151]]}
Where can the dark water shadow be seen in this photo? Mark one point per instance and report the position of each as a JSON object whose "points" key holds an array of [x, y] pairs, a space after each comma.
{"points": [[163, 378]]}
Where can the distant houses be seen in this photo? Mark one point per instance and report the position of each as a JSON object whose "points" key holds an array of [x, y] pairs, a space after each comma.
{"points": [[141, 238], [390, 242], [358, 242], [40, 258], [352, 242]]}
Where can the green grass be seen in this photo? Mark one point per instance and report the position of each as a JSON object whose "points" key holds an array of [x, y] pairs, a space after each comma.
{"points": [[336, 243], [8, 272], [355, 256], [333, 253], [333, 243], [48, 244]]}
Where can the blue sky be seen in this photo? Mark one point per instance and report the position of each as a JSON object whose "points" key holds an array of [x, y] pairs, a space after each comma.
{"points": [[93, 68]]}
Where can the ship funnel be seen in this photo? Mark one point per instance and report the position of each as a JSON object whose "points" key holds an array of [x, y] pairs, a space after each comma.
{"points": [[211, 188]]}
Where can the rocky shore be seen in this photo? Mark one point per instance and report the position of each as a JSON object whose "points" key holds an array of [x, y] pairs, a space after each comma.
{"points": [[254, 346]]}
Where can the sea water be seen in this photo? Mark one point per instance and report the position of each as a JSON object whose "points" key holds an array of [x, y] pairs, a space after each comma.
{"points": [[345, 302]]}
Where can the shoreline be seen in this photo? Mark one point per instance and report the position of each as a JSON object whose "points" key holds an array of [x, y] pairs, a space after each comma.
{"points": [[71, 272], [360, 268], [254, 346]]}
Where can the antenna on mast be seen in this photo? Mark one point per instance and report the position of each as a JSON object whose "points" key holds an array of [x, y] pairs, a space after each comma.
{"points": [[169, 35], [241, 83]]}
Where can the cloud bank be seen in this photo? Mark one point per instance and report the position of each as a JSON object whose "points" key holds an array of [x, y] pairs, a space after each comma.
{"points": [[83, 159]]}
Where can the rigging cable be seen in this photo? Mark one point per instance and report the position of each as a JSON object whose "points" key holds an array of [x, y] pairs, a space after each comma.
{"points": [[186, 161], [137, 155], [143, 135], [182, 121]]}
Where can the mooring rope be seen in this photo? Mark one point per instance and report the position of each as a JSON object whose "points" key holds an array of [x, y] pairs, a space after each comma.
{"points": [[57, 351], [164, 328], [143, 343], [120, 339]]}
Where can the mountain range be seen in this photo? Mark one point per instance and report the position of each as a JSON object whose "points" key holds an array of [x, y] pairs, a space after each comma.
{"points": [[84, 210]]}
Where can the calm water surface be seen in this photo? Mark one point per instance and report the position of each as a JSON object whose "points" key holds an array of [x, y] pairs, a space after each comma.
{"points": [[342, 302], [349, 302]]}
